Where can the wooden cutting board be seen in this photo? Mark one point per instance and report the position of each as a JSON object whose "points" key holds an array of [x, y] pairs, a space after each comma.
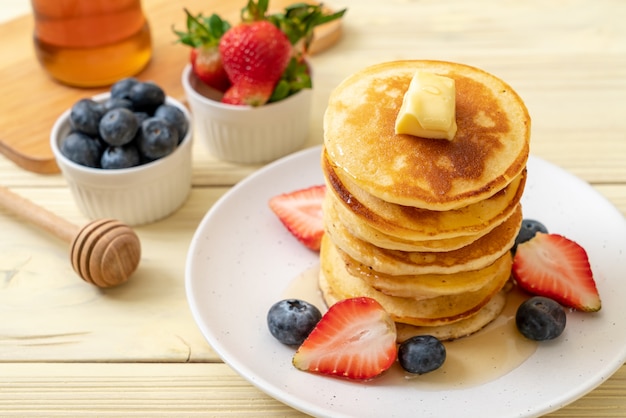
{"points": [[31, 100]]}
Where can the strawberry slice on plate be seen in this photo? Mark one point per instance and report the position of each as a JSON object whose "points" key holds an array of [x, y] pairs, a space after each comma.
{"points": [[301, 212], [554, 266], [355, 339]]}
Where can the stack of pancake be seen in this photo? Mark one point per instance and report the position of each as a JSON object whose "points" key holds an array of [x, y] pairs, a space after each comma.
{"points": [[424, 226]]}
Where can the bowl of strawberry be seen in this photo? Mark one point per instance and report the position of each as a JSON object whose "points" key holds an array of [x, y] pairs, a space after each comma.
{"points": [[126, 154], [249, 84]]}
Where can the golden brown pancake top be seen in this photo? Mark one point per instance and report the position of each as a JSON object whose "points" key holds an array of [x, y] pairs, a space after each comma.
{"points": [[490, 147]]}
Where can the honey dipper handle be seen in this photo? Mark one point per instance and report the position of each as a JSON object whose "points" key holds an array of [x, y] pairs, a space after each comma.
{"points": [[38, 215]]}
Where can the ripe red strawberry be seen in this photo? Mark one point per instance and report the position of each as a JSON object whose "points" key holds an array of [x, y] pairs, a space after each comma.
{"points": [[301, 212], [356, 338], [556, 267], [203, 35], [248, 92], [254, 55], [206, 64]]}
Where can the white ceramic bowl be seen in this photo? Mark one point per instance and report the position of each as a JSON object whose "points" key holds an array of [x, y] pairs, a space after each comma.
{"points": [[245, 134], [136, 195]]}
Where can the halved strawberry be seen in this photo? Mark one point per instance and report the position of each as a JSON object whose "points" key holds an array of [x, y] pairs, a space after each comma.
{"points": [[356, 339], [301, 212], [554, 266]]}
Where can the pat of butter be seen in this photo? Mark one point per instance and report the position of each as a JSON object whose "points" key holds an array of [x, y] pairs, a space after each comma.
{"points": [[428, 107]]}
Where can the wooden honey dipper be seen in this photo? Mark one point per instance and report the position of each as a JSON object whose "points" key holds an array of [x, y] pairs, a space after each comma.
{"points": [[105, 252]]}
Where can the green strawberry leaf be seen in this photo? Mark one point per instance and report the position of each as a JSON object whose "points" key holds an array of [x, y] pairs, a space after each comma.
{"points": [[296, 77], [202, 31], [253, 12], [299, 20]]}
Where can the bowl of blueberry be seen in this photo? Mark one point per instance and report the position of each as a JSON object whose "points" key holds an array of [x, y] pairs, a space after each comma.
{"points": [[126, 154]]}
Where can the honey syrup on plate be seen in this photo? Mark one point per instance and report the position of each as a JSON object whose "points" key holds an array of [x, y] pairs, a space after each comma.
{"points": [[471, 361]]}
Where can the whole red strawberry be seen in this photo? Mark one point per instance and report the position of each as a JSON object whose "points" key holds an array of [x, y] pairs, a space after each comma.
{"points": [[203, 35], [254, 55]]}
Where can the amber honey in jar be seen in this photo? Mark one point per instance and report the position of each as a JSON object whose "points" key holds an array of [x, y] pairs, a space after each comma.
{"points": [[91, 43]]}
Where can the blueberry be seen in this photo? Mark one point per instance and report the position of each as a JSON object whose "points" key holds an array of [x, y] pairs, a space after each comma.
{"points": [[421, 354], [540, 318], [146, 97], [175, 116], [157, 139], [141, 116], [290, 321], [121, 89], [85, 116], [529, 229], [118, 126], [82, 149], [120, 157], [114, 103]]}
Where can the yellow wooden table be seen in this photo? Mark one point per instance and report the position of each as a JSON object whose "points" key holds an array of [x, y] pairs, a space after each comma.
{"points": [[67, 349]]}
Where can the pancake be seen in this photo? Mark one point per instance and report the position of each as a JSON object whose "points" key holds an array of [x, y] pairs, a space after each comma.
{"points": [[426, 286], [459, 329], [365, 232], [489, 150], [435, 311], [474, 256], [412, 223]]}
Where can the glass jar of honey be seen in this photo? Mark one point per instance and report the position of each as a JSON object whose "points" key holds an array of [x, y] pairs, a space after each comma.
{"points": [[91, 43]]}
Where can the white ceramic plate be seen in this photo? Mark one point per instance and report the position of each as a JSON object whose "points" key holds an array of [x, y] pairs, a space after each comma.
{"points": [[242, 260]]}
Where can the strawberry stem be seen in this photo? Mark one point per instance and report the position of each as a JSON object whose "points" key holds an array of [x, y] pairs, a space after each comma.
{"points": [[202, 31], [254, 12], [296, 77], [300, 19]]}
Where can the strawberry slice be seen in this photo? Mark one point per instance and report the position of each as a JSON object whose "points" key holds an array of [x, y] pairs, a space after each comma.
{"points": [[301, 212], [356, 339], [556, 267]]}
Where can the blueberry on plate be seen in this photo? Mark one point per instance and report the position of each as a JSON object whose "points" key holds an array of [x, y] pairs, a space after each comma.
{"points": [[146, 97], [175, 116], [85, 116], [421, 354], [118, 127], [121, 89], [120, 157], [290, 321], [157, 139], [82, 149], [528, 230], [540, 318]]}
